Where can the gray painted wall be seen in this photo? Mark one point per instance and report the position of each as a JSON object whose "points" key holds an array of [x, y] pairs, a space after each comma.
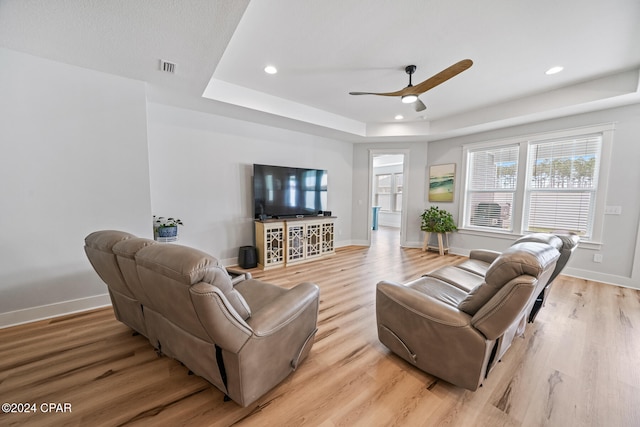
{"points": [[202, 166], [74, 160]]}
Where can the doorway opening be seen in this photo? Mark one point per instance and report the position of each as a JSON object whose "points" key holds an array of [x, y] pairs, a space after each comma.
{"points": [[387, 207]]}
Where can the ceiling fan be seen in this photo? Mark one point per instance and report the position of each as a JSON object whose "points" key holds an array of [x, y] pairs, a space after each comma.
{"points": [[410, 93]]}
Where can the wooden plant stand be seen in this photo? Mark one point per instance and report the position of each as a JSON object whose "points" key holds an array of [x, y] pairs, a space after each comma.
{"points": [[442, 247]]}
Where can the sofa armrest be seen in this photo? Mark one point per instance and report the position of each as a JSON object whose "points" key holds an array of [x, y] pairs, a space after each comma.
{"points": [[218, 318], [283, 333], [283, 310], [484, 255], [431, 334], [495, 317]]}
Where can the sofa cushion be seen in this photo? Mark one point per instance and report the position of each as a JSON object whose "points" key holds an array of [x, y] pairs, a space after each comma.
{"points": [[458, 277], [437, 290], [105, 239], [549, 239], [474, 266], [125, 252], [130, 247], [188, 266], [99, 249], [527, 258]]}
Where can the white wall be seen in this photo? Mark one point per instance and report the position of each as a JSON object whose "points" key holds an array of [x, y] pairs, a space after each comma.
{"points": [[620, 231], [201, 171], [74, 160]]}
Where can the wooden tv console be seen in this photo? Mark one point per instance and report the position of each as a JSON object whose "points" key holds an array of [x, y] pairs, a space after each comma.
{"points": [[282, 242]]}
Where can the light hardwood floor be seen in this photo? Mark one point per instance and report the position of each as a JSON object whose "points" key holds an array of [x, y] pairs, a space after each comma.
{"points": [[578, 365]]}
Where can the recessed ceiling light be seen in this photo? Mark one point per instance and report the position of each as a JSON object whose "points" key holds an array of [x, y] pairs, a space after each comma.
{"points": [[399, 117], [270, 69], [554, 70]]}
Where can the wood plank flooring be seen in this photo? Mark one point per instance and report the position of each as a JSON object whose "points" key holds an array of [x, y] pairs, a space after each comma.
{"points": [[578, 365]]}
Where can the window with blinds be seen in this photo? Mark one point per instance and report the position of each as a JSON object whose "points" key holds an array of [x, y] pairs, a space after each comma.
{"points": [[491, 187], [398, 192], [551, 182], [561, 185], [388, 192], [383, 192]]}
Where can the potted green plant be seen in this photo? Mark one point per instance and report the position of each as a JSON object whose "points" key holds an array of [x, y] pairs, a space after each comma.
{"points": [[436, 220], [165, 229]]}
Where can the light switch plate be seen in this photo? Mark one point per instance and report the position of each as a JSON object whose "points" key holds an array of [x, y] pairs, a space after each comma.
{"points": [[613, 210]]}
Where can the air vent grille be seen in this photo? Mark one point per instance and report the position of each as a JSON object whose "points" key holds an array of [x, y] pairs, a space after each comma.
{"points": [[168, 67]]}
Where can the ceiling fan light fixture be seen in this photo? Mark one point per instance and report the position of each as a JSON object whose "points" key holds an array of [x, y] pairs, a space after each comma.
{"points": [[270, 69], [399, 117], [554, 70], [409, 99]]}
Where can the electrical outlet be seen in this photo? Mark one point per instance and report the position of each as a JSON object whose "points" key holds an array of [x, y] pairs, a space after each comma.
{"points": [[597, 257]]}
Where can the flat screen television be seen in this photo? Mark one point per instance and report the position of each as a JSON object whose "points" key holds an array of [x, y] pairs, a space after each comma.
{"points": [[286, 192]]}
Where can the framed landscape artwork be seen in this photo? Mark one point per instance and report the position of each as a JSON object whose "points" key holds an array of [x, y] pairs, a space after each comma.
{"points": [[441, 182]]}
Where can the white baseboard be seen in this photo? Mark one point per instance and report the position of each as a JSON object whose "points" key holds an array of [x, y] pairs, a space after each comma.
{"points": [[345, 243], [596, 276], [18, 317], [416, 245]]}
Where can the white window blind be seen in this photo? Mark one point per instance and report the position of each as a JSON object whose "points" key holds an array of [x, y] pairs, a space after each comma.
{"points": [[388, 193], [491, 186], [398, 192], [383, 192], [555, 181], [562, 180]]}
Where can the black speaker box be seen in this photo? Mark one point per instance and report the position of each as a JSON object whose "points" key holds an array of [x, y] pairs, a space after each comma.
{"points": [[247, 257]]}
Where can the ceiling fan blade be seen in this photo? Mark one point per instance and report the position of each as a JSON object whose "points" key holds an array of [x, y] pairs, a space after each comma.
{"points": [[439, 78], [419, 105], [396, 93]]}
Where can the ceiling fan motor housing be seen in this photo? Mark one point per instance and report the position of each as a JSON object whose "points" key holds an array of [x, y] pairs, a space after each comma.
{"points": [[410, 69]]}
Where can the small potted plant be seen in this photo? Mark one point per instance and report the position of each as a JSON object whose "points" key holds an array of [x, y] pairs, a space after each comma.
{"points": [[165, 229], [436, 220]]}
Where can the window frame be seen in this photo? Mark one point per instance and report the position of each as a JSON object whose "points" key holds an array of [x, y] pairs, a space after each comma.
{"points": [[605, 131], [393, 191], [593, 190], [468, 215]]}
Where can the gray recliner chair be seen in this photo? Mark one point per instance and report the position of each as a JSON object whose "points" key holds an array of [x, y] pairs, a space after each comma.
{"points": [[455, 333], [243, 336]]}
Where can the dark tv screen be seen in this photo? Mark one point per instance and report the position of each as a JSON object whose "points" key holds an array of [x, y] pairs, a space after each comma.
{"points": [[282, 192]]}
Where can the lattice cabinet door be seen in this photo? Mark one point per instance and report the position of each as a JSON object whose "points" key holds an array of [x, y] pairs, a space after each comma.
{"points": [[270, 240], [313, 240], [275, 245], [328, 237], [296, 242]]}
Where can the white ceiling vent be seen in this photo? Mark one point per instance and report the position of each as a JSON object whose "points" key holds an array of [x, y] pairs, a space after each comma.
{"points": [[168, 67]]}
